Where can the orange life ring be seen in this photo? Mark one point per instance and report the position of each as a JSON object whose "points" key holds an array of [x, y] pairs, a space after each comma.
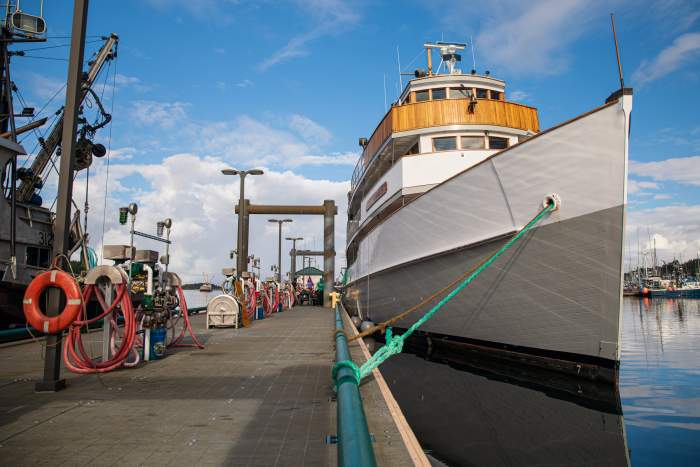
{"points": [[34, 315]]}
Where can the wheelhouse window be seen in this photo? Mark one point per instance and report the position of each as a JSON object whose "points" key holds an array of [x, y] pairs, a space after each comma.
{"points": [[408, 99], [472, 142], [447, 143], [496, 95], [422, 96], [460, 93], [481, 93], [439, 93], [497, 143], [37, 256]]}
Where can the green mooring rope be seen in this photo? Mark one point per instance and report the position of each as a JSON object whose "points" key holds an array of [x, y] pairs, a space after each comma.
{"points": [[394, 343]]}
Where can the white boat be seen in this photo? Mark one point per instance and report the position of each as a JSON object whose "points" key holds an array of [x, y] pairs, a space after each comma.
{"points": [[451, 173]]}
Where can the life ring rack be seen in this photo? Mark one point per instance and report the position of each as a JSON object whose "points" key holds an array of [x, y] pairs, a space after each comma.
{"points": [[74, 302]]}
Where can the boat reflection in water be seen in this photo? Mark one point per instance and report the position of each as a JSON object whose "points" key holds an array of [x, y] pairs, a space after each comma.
{"points": [[468, 410]]}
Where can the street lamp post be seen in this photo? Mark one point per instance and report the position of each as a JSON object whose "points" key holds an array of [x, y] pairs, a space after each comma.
{"points": [[279, 246], [242, 257], [293, 255]]}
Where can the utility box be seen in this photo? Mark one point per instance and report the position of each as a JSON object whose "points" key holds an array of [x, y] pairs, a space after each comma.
{"points": [[118, 252], [223, 311], [146, 256]]}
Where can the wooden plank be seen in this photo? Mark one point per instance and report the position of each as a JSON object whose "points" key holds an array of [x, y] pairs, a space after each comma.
{"points": [[413, 447]]}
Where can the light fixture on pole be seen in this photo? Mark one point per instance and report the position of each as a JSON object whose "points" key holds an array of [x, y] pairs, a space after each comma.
{"points": [[279, 246], [293, 255], [241, 263]]}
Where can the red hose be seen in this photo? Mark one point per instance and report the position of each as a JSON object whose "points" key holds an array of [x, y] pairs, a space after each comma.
{"points": [[267, 306], [252, 303], [276, 307], [187, 327], [79, 361]]}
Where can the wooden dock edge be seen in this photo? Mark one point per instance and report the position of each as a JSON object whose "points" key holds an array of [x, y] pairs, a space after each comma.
{"points": [[413, 447]]}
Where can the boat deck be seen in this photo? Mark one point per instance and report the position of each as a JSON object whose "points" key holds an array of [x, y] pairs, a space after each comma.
{"points": [[258, 396]]}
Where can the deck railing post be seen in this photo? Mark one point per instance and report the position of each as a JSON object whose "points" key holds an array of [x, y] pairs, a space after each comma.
{"points": [[354, 441]]}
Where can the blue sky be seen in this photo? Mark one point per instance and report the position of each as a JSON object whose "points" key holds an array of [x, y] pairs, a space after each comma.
{"points": [[291, 85]]}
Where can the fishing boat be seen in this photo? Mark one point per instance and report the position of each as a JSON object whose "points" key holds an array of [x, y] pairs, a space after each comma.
{"points": [[26, 223], [450, 174], [206, 285]]}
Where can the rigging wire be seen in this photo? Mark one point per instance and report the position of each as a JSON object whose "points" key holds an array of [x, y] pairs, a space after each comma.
{"points": [[109, 151], [54, 46]]}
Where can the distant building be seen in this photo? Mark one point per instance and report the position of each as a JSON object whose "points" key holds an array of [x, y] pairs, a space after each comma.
{"points": [[303, 275]]}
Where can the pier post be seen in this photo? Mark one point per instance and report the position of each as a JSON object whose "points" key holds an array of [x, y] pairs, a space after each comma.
{"points": [[243, 243], [328, 249], [51, 380]]}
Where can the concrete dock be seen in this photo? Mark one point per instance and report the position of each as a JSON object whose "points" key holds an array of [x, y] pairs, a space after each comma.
{"points": [[258, 396]]}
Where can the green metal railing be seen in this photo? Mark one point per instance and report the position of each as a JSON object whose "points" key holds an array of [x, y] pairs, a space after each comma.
{"points": [[354, 441]]}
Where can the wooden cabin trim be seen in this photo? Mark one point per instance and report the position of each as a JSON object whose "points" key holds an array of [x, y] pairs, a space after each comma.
{"points": [[364, 230], [443, 112]]}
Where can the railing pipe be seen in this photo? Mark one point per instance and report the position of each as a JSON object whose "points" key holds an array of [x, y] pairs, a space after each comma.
{"points": [[354, 441]]}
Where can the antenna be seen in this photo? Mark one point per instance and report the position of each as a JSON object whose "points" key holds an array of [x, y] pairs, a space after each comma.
{"points": [[471, 41], [385, 108], [617, 52], [398, 61]]}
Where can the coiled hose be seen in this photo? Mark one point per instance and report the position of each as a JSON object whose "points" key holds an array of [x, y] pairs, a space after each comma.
{"points": [[76, 357]]}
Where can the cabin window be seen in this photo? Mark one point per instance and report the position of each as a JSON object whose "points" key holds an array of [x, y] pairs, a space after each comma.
{"points": [[481, 93], [496, 95], [38, 257], [408, 99], [497, 143], [439, 93], [460, 93], [473, 142], [445, 143], [413, 150], [422, 96]]}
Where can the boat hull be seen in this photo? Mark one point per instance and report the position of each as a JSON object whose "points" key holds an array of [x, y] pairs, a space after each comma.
{"points": [[555, 293]]}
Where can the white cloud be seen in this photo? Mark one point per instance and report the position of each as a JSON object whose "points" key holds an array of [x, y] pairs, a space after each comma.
{"points": [[523, 37], [683, 49], [675, 227], [162, 114], [346, 158], [329, 17], [684, 170], [518, 95], [191, 190], [309, 130], [246, 83], [45, 87], [637, 187], [662, 196]]}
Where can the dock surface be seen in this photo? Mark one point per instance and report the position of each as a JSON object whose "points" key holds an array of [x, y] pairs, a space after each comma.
{"points": [[258, 396]]}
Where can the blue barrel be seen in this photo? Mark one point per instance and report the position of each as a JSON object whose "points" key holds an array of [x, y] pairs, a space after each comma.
{"points": [[260, 313], [158, 342]]}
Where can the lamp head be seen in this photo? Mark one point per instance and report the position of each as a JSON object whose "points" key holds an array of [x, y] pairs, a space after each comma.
{"points": [[229, 172], [255, 172], [133, 209]]}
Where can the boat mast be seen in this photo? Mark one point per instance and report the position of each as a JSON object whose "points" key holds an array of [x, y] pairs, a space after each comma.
{"points": [[30, 30]]}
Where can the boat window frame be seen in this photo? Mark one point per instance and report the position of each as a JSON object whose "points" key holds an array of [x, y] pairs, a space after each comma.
{"points": [[506, 140], [452, 137], [485, 93], [432, 94], [420, 92], [474, 137]]}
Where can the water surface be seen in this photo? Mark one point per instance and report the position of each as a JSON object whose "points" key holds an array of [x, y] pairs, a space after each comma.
{"points": [[471, 411]]}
